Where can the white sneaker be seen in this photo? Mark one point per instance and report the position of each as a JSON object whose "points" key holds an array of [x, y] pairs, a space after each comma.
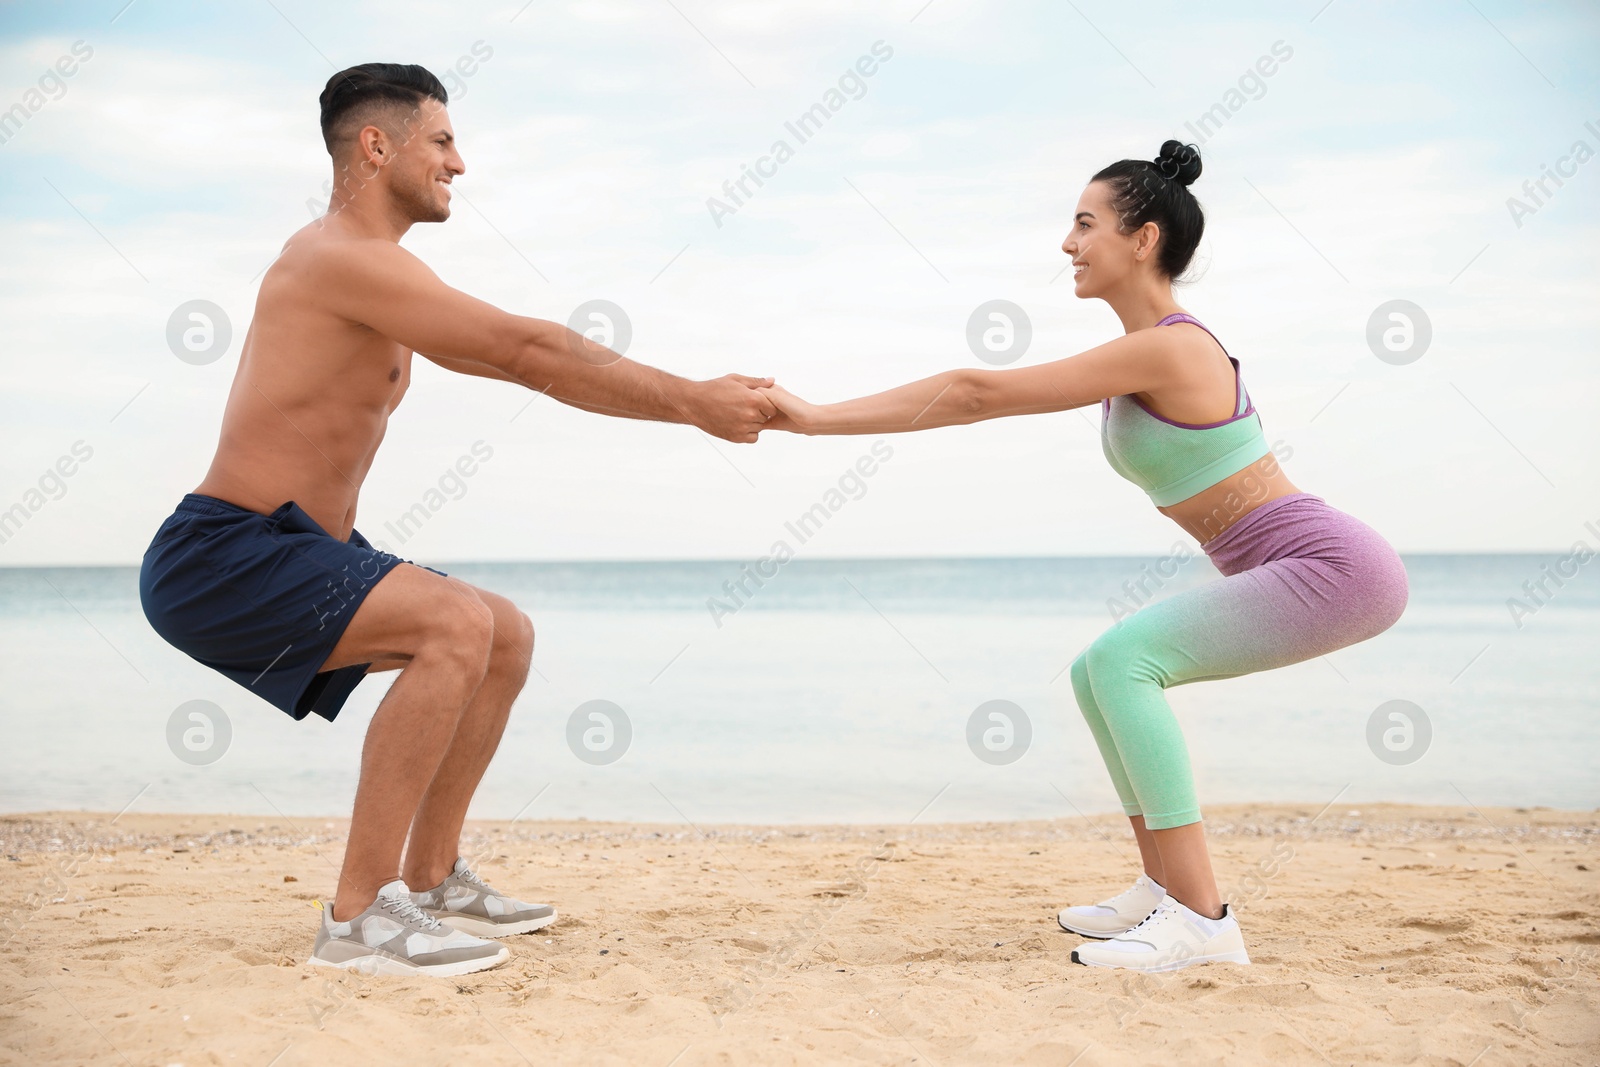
{"points": [[395, 937], [1115, 916], [1171, 938]]}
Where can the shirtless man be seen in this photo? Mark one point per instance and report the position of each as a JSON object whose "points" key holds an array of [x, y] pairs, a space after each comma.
{"points": [[261, 574]]}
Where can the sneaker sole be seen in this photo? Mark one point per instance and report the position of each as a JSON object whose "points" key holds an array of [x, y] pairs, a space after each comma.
{"points": [[471, 924], [1176, 965], [1098, 935], [392, 966]]}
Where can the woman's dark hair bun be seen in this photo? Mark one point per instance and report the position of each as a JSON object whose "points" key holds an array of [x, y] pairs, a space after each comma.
{"points": [[1178, 162]]}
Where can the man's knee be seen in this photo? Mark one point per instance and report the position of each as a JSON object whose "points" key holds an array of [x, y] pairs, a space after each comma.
{"points": [[513, 633], [514, 639], [462, 627]]}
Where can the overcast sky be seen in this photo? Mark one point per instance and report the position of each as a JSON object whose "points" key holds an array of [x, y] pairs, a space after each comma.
{"points": [[1374, 164]]}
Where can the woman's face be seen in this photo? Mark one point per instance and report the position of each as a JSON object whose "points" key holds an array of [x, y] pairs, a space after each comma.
{"points": [[1102, 258]]}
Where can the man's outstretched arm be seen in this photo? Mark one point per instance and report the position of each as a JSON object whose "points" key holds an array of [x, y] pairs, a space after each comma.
{"points": [[485, 370], [386, 288]]}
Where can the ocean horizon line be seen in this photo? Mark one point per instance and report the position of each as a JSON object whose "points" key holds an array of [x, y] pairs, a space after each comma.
{"points": [[810, 559]]}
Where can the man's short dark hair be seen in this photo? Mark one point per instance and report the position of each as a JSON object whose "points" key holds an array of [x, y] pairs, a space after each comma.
{"points": [[352, 92]]}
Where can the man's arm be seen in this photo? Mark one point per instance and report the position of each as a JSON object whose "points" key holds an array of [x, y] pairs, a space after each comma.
{"points": [[484, 370], [382, 286]]}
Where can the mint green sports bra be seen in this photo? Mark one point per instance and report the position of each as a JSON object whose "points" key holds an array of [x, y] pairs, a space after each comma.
{"points": [[1172, 461]]}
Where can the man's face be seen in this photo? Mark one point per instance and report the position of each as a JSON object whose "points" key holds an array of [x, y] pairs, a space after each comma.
{"points": [[424, 163]]}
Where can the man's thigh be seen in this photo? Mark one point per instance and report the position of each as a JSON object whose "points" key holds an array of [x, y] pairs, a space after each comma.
{"points": [[407, 607]]}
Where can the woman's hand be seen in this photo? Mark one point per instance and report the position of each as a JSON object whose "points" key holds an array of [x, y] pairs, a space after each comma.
{"points": [[794, 414]]}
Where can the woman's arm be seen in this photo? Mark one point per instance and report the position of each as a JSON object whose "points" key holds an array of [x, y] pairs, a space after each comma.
{"points": [[1138, 362]]}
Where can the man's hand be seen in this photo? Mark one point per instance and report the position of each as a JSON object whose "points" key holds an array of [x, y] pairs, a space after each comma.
{"points": [[731, 407]]}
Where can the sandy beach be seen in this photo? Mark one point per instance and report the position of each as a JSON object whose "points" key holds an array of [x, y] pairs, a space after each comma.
{"points": [[1386, 934]]}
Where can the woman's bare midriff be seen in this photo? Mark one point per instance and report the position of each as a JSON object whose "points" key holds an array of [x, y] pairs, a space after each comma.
{"points": [[1211, 511]]}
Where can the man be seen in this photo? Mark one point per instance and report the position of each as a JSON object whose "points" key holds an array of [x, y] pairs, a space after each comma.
{"points": [[261, 574]]}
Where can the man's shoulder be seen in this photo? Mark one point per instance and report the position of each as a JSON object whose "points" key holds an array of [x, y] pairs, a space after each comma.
{"points": [[316, 242], [324, 256]]}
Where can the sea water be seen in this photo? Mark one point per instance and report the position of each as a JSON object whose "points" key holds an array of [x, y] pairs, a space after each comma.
{"points": [[832, 691]]}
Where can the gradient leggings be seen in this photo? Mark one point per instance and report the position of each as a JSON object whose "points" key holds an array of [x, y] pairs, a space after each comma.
{"points": [[1301, 580]]}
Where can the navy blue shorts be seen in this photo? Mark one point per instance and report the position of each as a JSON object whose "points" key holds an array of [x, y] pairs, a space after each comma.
{"points": [[262, 599]]}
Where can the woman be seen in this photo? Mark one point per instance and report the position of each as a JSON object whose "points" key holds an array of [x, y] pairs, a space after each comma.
{"points": [[1301, 579]]}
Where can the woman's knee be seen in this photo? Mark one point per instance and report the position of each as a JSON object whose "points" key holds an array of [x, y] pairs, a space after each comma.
{"points": [[1106, 657], [1120, 654], [1079, 673]]}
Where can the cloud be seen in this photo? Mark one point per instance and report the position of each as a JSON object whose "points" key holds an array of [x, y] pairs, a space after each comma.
{"points": [[594, 136]]}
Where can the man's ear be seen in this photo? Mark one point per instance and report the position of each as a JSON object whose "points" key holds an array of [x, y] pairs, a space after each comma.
{"points": [[375, 145]]}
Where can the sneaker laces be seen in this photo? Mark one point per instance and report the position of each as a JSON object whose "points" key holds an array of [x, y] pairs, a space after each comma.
{"points": [[1116, 901], [467, 875], [406, 910], [1160, 913]]}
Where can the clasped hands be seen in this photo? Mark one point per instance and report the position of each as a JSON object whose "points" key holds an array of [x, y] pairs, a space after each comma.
{"points": [[737, 408]]}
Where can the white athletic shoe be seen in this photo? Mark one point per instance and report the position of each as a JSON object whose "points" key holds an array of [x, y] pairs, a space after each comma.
{"points": [[395, 937], [473, 906], [1115, 916], [1171, 938]]}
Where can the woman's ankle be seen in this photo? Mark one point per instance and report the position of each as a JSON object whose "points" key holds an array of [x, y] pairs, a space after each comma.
{"points": [[1216, 911]]}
